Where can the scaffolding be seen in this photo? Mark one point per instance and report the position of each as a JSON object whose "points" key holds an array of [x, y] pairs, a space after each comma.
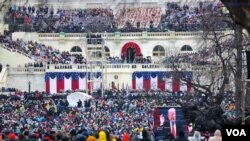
{"points": [[96, 62]]}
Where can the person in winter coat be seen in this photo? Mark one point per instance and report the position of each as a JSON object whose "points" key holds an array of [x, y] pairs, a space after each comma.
{"points": [[145, 136], [197, 136], [102, 136], [217, 136], [91, 138], [181, 136]]}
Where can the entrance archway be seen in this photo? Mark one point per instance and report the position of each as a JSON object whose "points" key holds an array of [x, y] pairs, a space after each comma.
{"points": [[130, 51], [76, 49]]}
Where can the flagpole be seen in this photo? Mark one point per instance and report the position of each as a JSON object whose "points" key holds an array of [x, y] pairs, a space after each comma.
{"points": [[87, 65], [127, 90]]}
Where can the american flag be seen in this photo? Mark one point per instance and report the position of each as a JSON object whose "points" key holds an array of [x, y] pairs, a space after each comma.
{"points": [[57, 82], [170, 81]]}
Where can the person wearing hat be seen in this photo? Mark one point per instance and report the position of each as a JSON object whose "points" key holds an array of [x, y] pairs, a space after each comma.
{"points": [[125, 137], [102, 136], [91, 138], [12, 137], [217, 136], [113, 138]]}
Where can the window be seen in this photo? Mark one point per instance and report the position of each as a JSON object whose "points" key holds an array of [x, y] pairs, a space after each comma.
{"points": [[186, 48], [107, 51], [76, 49], [158, 51]]}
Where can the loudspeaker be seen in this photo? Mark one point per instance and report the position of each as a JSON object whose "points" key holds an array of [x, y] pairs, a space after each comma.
{"points": [[248, 64]]}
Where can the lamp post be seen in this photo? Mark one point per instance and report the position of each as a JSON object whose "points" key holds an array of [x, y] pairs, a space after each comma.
{"points": [[243, 102], [29, 86], [244, 81]]}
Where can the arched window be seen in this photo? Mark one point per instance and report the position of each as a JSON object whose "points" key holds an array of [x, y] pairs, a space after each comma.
{"points": [[107, 51], [158, 51], [186, 48], [76, 49]]}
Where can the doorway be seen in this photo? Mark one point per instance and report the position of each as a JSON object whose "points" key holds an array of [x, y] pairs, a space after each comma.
{"points": [[130, 55]]}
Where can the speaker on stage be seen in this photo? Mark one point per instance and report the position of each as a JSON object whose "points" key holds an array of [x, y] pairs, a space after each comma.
{"points": [[248, 63], [138, 24]]}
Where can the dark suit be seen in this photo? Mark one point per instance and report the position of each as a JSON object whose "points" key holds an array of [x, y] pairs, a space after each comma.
{"points": [[181, 139], [164, 132]]}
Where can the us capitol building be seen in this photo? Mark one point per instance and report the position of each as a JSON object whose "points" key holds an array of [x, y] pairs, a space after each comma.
{"points": [[123, 48]]}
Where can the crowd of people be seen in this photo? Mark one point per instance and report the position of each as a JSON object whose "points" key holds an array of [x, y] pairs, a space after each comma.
{"points": [[175, 18], [139, 17], [47, 19], [49, 117], [204, 56], [38, 115], [41, 53], [228, 105]]}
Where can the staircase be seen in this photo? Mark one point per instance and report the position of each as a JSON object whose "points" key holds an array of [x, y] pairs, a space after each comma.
{"points": [[10, 57]]}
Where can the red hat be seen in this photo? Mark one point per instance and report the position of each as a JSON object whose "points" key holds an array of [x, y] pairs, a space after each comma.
{"points": [[36, 135], [11, 136], [48, 139]]}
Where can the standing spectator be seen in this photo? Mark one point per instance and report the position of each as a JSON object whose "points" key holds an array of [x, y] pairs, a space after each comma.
{"points": [[102, 136], [217, 136], [91, 138], [207, 136], [145, 136], [181, 136], [125, 137], [197, 136], [79, 103]]}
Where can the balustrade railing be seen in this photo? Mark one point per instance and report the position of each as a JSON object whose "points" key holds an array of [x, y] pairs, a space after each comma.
{"points": [[110, 67], [27, 69], [129, 34]]}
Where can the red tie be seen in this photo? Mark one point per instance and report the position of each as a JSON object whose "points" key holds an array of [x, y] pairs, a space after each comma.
{"points": [[173, 130]]}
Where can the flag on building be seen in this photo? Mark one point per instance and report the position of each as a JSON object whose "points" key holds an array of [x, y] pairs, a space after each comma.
{"points": [[169, 81], [57, 82]]}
